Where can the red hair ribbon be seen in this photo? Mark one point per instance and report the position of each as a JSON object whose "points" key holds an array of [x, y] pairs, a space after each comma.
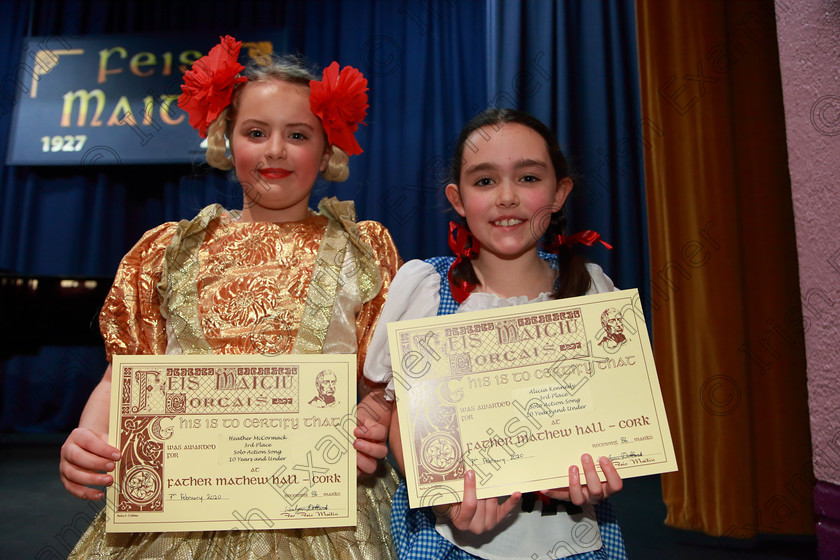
{"points": [[340, 100], [465, 246], [209, 84], [586, 237]]}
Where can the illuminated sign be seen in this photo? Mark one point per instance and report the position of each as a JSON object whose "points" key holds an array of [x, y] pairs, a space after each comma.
{"points": [[108, 99]]}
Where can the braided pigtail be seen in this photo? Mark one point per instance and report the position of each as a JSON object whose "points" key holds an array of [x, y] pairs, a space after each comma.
{"points": [[462, 270], [216, 145], [573, 278]]}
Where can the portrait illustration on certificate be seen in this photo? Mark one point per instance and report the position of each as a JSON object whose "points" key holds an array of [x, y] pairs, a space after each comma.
{"points": [[325, 383]]}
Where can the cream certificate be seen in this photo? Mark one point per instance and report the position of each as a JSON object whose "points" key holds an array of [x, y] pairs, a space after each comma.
{"points": [[232, 442], [518, 394]]}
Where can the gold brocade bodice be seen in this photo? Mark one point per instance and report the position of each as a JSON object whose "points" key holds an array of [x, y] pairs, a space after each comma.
{"points": [[248, 285]]}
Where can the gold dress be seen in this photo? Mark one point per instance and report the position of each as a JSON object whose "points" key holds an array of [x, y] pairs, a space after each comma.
{"points": [[217, 285]]}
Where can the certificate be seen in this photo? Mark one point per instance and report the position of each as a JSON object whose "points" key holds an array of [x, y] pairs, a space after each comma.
{"points": [[232, 442], [518, 394]]}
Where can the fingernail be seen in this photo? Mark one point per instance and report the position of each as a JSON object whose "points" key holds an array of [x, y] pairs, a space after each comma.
{"points": [[470, 475], [587, 458], [115, 456], [109, 466]]}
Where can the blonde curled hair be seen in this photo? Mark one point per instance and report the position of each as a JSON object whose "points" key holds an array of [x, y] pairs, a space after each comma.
{"points": [[338, 168], [286, 69], [216, 144]]}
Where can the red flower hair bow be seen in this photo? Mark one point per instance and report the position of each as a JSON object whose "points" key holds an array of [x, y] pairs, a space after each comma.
{"points": [[208, 84], [465, 246], [340, 101], [586, 237]]}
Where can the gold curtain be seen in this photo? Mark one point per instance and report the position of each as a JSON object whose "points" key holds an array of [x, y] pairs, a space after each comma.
{"points": [[727, 319]]}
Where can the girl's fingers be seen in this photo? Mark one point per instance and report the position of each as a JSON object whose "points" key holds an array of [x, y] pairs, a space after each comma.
{"points": [[93, 443], [593, 482], [73, 476], [557, 494], [466, 510], [370, 445], [478, 516], [365, 464], [614, 483], [487, 516], [371, 449], [591, 489], [86, 450], [84, 454], [575, 489], [491, 514], [368, 455], [83, 492], [362, 461], [371, 431], [508, 506], [79, 458], [76, 481]]}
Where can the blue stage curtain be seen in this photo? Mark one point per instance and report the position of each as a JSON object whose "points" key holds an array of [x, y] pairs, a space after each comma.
{"points": [[574, 66], [425, 67], [431, 66]]}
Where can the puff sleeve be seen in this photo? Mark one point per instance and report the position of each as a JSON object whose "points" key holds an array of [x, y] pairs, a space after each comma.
{"points": [[130, 320]]}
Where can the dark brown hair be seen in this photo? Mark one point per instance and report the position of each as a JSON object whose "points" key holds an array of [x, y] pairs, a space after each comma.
{"points": [[573, 279]]}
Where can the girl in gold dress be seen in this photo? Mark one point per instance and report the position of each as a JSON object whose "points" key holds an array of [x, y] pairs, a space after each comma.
{"points": [[275, 277]]}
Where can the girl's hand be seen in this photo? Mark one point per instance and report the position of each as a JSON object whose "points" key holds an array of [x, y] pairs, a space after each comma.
{"points": [[594, 490], [370, 445], [479, 516], [84, 454]]}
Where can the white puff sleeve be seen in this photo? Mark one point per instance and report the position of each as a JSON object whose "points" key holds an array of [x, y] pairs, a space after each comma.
{"points": [[414, 293]]}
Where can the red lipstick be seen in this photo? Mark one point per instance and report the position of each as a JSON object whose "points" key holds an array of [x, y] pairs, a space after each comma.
{"points": [[274, 172]]}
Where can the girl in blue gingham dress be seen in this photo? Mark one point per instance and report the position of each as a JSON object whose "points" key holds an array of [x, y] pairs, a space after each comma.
{"points": [[511, 181]]}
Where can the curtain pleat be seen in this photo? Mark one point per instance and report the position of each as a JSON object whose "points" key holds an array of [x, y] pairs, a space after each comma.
{"points": [[573, 65], [727, 322]]}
